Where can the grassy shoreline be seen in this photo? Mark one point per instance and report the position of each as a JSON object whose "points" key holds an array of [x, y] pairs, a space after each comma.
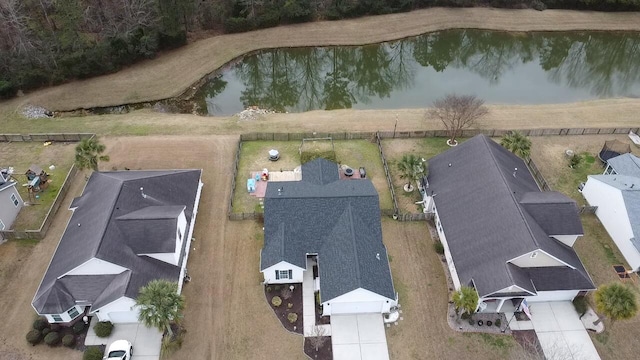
{"points": [[160, 79]]}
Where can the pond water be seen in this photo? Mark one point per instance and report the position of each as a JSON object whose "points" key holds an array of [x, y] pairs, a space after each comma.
{"points": [[499, 67]]}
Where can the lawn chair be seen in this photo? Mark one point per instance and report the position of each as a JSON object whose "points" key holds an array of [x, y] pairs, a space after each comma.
{"points": [[623, 274]]}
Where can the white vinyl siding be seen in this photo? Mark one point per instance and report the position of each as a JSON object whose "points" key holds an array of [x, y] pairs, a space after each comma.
{"points": [[272, 274]]}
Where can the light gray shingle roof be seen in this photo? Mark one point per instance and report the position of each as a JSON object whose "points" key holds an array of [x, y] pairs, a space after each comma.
{"points": [[626, 164], [340, 221], [479, 187]]}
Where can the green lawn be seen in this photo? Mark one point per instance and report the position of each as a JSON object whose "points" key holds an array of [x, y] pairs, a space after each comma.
{"points": [[254, 157], [21, 155]]}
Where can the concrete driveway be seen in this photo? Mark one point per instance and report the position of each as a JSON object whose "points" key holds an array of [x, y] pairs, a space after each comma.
{"points": [[358, 337], [145, 341], [560, 332]]}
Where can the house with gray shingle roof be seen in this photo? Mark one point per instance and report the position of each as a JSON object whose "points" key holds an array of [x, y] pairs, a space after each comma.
{"points": [[501, 234], [616, 193], [10, 200], [332, 224], [127, 228]]}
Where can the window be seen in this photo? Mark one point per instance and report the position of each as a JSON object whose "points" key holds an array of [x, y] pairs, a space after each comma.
{"points": [[56, 318], [15, 200], [73, 313], [284, 274]]}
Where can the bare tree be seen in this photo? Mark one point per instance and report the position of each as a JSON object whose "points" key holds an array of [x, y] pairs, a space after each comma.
{"points": [[457, 112], [317, 337]]}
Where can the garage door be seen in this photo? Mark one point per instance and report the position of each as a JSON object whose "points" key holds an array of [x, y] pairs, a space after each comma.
{"points": [[123, 316], [356, 307]]}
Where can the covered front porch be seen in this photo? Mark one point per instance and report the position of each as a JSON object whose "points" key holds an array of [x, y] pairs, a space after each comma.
{"points": [[499, 305]]}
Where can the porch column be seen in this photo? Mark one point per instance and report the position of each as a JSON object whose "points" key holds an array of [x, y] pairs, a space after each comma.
{"points": [[500, 306]]}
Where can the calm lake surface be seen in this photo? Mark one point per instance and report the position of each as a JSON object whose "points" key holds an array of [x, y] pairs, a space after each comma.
{"points": [[501, 68]]}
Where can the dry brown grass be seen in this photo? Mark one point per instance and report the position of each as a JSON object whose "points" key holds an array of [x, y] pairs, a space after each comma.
{"points": [[172, 73], [226, 316], [423, 293]]}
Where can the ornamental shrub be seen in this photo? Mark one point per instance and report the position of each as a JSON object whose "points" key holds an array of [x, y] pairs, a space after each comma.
{"points": [[92, 353], [292, 317], [34, 337], [46, 331], [40, 323], [68, 340], [438, 247], [497, 323], [103, 329], [276, 301], [78, 327], [52, 338]]}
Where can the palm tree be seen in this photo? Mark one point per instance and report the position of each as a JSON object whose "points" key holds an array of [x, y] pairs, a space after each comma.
{"points": [[88, 154], [412, 169], [616, 301], [160, 304], [517, 143], [466, 299]]}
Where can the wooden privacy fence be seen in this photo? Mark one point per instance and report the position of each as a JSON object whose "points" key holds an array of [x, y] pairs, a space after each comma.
{"points": [[379, 135], [587, 209], [45, 137], [537, 175], [387, 175], [42, 231], [230, 213], [433, 133]]}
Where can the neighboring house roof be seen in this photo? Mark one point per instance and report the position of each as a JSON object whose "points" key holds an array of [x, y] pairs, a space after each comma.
{"points": [[5, 179], [492, 211], [629, 187], [337, 219], [109, 223], [626, 164]]}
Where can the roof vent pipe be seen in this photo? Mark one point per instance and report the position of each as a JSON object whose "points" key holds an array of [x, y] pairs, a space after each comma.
{"points": [[378, 256], [142, 193]]}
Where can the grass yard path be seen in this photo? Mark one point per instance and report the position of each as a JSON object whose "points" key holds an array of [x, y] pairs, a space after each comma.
{"points": [[171, 73]]}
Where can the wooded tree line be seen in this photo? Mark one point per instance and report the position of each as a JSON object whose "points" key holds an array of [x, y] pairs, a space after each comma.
{"points": [[45, 42]]}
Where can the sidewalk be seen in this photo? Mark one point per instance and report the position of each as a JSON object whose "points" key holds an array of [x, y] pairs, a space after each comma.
{"points": [[309, 304]]}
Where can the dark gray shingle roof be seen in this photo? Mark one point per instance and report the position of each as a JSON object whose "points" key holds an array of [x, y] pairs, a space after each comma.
{"points": [[478, 199], [340, 221], [558, 278], [320, 172], [553, 211], [94, 231]]}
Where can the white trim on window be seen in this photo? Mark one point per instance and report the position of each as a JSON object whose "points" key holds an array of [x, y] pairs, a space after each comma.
{"points": [[73, 313], [14, 198], [2, 226]]}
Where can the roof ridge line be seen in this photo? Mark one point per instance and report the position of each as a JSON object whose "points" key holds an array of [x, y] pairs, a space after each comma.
{"points": [[353, 241], [515, 201], [112, 207]]}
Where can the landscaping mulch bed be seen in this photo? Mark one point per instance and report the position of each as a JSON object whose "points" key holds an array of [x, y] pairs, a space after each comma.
{"points": [[320, 320], [325, 352], [288, 306]]}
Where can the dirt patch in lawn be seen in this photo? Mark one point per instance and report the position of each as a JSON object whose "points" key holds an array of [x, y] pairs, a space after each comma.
{"points": [[287, 305]]}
